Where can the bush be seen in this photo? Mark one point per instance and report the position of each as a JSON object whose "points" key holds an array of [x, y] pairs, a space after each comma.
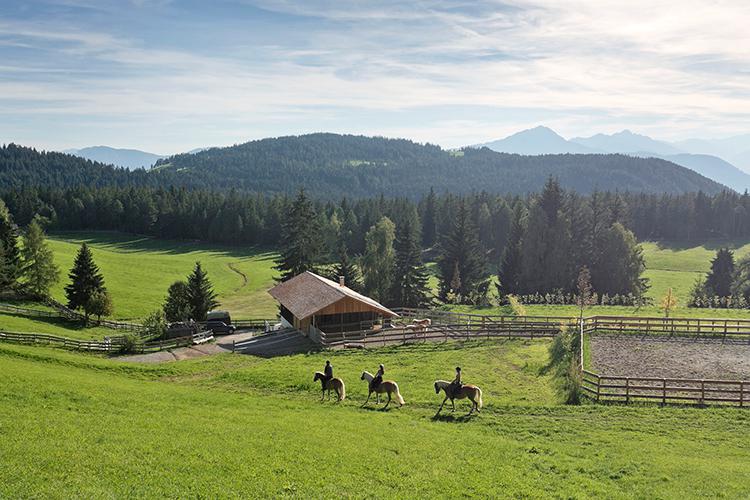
{"points": [[564, 353], [155, 325], [129, 344]]}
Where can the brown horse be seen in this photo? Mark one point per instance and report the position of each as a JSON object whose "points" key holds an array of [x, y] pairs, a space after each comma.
{"points": [[472, 392], [387, 386], [335, 383]]}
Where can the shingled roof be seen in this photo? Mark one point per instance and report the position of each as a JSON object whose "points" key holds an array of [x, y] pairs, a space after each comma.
{"points": [[308, 293]]}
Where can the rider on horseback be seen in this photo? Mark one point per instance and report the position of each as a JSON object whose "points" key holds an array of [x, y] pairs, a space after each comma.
{"points": [[377, 379], [455, 385], [328, 373]]}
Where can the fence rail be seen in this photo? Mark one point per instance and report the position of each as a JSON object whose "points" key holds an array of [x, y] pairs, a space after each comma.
{"points": [[109, 345], [65, 313], [693, 327], [604, 388]]}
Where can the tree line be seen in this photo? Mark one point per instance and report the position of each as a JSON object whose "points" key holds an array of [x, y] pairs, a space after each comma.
{"points": [[726, 285], [534, 245]]}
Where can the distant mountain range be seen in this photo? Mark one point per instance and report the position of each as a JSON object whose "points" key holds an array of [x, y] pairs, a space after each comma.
{"points": [[715, 159], [127, 158], [335, 166]]}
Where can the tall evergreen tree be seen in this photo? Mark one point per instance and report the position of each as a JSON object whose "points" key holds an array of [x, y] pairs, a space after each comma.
{"points": [[510, 266], [410, 281], [719, 278], [462, 255], [85, 280], [300, 239], [429, 223], [347, 269], [11, 267], [378, 260], [39, 270], [200, 293]]}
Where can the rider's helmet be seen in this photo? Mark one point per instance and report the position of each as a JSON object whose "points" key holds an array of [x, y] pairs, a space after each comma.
{"points": [[458, 368]]}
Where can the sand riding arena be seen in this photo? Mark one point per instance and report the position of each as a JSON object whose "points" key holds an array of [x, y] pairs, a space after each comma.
{"points": [[683, 361]]}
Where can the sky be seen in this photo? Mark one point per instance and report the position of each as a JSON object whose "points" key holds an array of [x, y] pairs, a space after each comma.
{"points": [[169, 76]]}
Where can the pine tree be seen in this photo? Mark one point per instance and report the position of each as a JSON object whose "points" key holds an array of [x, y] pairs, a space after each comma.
{"points": [[177, 305], [11, 267], [378, 260], [39, 270], [200, 293], [300, 239], [462, 254], [510, 267], [429, 224], [85, 280], [719, 278], [410, 281], [347, 269]]}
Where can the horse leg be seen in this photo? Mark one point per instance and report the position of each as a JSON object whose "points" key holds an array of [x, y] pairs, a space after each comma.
{"points": [[441, 405], [453, 402], [389, 400], [368, 398]]}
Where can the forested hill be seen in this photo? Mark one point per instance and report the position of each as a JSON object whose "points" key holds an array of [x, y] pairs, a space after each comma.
{"points": [[333, 166]]}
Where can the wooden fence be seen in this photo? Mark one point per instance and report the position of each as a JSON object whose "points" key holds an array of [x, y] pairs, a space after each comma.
{"points": [[65, 313], [603, 388], [688, 327], [109, 345]]}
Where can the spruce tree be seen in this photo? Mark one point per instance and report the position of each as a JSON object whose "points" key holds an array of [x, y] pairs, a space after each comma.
{"points": [[429, 223], [719, 278], [510, 267], [39, 270], [347, 269], [200, 293], [300, 239], [85, 280], [462, 254], [410, 280], [11, 266]]}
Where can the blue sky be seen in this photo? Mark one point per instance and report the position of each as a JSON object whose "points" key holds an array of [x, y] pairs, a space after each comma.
{"points": [[168, 76]]}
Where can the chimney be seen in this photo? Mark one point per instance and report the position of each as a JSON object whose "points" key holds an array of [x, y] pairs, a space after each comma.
{"points": [[342, 281]]}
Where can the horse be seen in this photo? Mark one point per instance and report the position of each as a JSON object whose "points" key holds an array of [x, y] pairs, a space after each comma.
{"points": [[335, 383], [472, 392], [387, 386], [419, 325]]}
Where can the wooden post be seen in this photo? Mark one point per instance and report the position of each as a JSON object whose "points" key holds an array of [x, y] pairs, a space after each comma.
{"points": [[703, 392], [663, 391], [627, 390], [598, 387], [742, 393], [233, 346]]}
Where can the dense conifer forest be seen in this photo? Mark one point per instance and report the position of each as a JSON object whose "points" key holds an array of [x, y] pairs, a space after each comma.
{"points": [[333, 166]]}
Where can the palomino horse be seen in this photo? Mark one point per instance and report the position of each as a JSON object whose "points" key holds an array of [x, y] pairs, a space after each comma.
{"points": [[335, 383], [472, 392], [419, 325], [387, 386]]}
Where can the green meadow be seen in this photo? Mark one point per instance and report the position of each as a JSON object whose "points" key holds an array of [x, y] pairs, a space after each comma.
{"points": [[73, 425]]}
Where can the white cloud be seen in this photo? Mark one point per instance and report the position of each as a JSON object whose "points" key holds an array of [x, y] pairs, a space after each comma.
{"points": [[670, 69]]}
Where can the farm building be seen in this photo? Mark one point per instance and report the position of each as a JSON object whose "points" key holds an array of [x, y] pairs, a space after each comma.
{"points": [[312, 304]]}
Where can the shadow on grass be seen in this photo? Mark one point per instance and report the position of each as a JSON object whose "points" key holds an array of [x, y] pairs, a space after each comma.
{"points": [[452, 418], [711, 244], [133, 243], [52, 321]]}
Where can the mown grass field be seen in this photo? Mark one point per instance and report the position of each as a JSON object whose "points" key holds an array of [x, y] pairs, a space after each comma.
{"points": [[80, 426], [138, 271]]}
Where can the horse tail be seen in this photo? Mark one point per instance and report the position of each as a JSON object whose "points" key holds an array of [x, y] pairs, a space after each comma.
{"points": [[479, 399], [399, 398], [342, 394]]}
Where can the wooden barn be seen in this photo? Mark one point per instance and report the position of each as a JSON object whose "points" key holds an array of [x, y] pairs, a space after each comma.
{"points": [[312, 303]]}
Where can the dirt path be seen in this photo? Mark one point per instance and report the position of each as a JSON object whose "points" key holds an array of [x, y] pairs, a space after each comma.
{"points": [[221, 345], [242, 275], [670, 357]]}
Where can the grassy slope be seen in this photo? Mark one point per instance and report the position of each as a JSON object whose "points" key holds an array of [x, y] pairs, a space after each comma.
{"points": [[138, 271], [76, 425]]}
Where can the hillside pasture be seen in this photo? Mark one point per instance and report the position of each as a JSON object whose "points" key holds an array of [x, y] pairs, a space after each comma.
{"points": [[138, 270], [81, 426]]}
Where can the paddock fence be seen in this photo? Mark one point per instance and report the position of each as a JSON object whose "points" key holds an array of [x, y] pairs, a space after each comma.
{"points": [[680, 391], [108, 345], [63, 312]]}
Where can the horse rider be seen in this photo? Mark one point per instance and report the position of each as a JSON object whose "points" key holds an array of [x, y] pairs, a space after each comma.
{"points": [[455, 385], [377, 379], [327, 373]]}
